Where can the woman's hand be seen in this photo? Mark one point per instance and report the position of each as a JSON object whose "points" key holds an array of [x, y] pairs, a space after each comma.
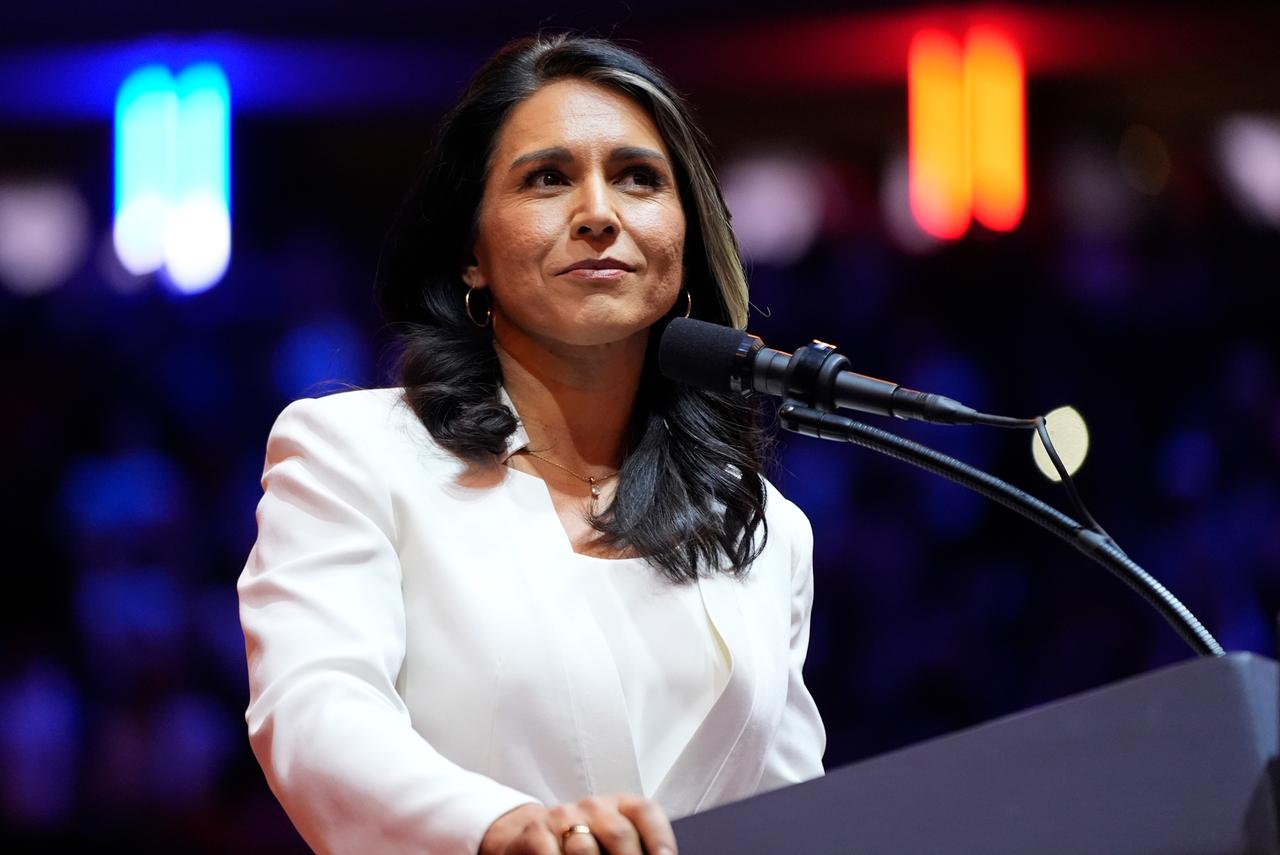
{"points": [[620, 825]]}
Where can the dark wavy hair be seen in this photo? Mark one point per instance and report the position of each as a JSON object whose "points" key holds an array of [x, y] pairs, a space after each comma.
{"points": [[690, 494]]}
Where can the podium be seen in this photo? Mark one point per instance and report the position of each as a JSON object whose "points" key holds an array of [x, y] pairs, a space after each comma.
{"points": [[1179, 760]]}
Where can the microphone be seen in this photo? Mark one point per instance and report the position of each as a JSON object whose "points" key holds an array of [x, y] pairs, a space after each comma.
{"points": [[722, 359]]}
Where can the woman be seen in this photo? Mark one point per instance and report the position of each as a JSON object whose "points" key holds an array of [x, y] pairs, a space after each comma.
{"points": [[539, 598]]}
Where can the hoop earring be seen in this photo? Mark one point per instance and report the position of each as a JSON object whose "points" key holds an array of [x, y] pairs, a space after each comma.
{"points": [[688, 303], [466, 307]]}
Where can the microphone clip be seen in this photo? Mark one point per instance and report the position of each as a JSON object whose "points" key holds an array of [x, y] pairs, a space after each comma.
{"points": [[811, 375]]}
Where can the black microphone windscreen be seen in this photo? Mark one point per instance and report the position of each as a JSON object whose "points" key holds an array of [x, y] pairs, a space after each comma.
{"points": [[700, 354]]}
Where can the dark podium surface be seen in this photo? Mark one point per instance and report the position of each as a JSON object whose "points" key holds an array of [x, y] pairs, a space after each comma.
{"points": [[1179, 760]]}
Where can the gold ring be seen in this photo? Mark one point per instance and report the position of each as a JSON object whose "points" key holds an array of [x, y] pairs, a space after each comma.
{"points": [[575, 829]]}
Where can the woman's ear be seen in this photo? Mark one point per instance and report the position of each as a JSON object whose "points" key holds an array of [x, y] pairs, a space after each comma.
{"points": [[472, 276]]}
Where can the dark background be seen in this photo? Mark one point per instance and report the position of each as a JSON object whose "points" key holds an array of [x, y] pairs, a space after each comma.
{"points": [[1139, 288]]}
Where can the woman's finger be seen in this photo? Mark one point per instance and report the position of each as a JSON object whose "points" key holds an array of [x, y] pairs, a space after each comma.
{"points": [[579, 839], [650, 821], [572, 828], [535, 839], [612, 830]]}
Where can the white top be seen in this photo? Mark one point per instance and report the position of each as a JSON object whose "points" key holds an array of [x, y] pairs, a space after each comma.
{"points": [[670, 661], [418, 665]]}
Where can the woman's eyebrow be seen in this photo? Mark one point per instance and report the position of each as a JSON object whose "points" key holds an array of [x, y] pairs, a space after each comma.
{"points": [[556, 154], [630, 152], [560, 154]]}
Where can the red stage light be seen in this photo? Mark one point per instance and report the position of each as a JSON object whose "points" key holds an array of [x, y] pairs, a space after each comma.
{"points": [[997, 119], [966, 131], [939, 180]]}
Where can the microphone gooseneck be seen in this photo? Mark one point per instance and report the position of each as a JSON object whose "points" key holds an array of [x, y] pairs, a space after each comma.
{"points": [[1097, 546]]}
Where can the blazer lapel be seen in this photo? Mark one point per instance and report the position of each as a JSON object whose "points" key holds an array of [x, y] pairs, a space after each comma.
{"points": [[596, 699], [724, 759]]}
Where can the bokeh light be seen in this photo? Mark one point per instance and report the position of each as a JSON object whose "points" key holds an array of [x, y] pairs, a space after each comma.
{"points": [[145, 165], [1248, 149], [1070, 438], [197, 243], [777, 205], [938, 145], [197, 237], [138, 488], [40, 744], [44, 235], [172, 191], [314, 357], [996, 92], [966, 117]]}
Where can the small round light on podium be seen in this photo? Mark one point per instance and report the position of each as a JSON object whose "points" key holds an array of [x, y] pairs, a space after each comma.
{"points": [[1070, 439]]}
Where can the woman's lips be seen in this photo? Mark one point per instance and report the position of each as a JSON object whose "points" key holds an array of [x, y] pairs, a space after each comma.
{"points": [[589, 274], [592, 264]]}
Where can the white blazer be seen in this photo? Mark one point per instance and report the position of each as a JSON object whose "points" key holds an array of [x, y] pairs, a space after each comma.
{"points": [[417, 669]]}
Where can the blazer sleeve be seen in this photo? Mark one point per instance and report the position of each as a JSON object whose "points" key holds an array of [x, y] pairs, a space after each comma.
{"points": [[795, 754], [324, 628]]}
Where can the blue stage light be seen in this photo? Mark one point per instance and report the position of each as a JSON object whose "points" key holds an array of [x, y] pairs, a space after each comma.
{"points": [[145, 130], [198, 235], [172, 171]]}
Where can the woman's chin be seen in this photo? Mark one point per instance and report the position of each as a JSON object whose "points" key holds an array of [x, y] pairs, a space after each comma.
{"points": [[588, 328], [605, 335]]}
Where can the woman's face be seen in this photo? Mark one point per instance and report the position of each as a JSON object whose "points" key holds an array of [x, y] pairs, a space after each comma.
{"points": [[581, 232]]}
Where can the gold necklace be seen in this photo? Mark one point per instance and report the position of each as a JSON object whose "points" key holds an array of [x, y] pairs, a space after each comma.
{"points": [[592, 482]]}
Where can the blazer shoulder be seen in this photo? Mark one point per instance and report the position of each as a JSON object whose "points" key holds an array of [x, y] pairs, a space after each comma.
{"points": [[360, 423], [781, 510], [356, 411], [375, 425], [352, 404], [788, 523]]}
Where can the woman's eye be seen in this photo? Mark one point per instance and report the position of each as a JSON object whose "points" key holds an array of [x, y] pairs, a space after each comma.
{"points": [[639, 176], [644, 177], [544, 178]]}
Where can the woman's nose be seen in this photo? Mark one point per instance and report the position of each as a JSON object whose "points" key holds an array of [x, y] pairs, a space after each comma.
{"points": [[595, 215]]}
